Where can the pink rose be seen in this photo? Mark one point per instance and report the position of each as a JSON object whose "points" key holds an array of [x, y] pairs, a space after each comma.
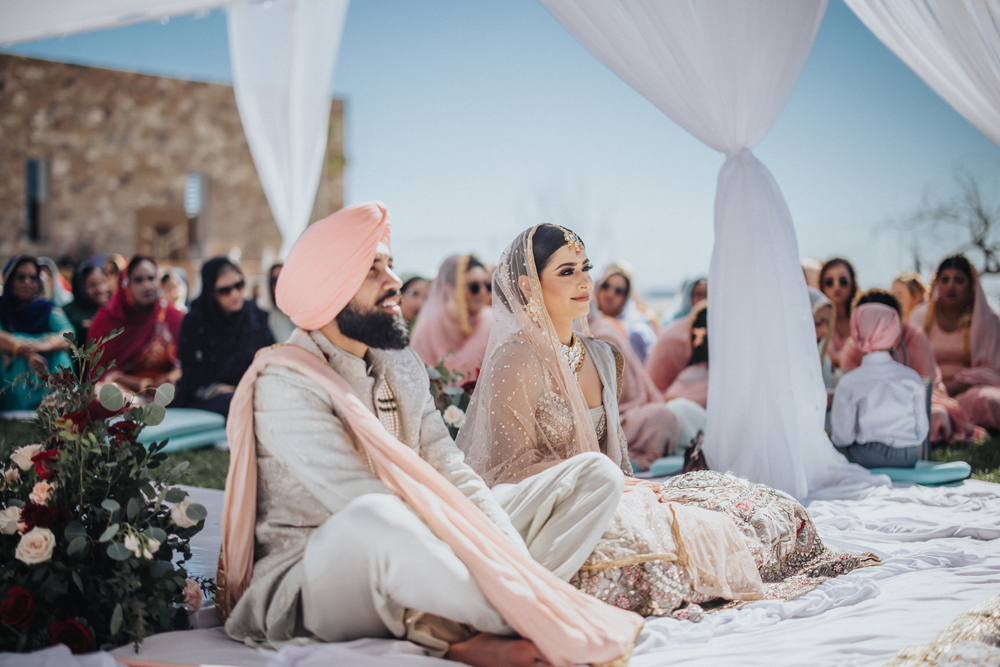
{"points": [[192, 595], [41, 492], [11, 475]]}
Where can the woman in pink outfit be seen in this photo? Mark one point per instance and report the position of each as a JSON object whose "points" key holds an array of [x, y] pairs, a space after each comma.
{"points": [[964, 334], [692, 382], [839, 283], [454, 325]]}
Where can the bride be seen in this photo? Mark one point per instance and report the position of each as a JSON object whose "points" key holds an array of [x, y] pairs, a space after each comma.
{"points": [[548, 392]]}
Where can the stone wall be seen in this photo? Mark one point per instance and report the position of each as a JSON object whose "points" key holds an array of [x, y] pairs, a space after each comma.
{"points": [[116, 143]]}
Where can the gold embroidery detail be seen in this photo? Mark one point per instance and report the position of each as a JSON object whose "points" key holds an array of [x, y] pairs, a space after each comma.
{"points": [[625, 562]]}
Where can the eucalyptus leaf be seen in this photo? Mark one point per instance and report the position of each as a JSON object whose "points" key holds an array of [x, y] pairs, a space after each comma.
{"points": [[158, 568], [154, 414], [197, 512], [117, 551], [77, 580], [111, 531], [133, 508], [116, 619], [453, 391], [433, 374], [164, 394], [76, 546], [74, 530], [157, 534], [111, 398], [110, 505], [175, 495], [178, 469]]}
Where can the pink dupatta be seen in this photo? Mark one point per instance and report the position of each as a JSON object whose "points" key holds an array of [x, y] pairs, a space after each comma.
{"points": [[567, 626]]}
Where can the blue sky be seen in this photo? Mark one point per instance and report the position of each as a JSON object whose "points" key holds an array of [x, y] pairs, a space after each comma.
{"points": [[472, 120]]}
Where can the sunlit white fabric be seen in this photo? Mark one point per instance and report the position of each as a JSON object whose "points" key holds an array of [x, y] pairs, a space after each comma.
{"points": [[27, 20], [953, 45], [283, 55], [723, 71]]}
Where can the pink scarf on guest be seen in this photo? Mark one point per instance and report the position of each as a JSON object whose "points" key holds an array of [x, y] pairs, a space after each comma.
{"points": [[567, 626]]}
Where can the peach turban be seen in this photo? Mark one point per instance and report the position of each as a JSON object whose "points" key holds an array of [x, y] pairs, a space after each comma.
{"points": [[329, 262], [875, 326]]}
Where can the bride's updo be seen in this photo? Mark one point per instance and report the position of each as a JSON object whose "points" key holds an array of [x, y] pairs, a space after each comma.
{"points": [[546, 240]]}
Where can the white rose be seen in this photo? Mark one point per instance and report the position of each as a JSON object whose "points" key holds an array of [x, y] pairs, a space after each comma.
{"points": [[178, 514], [22, 456], [11, 475], [454, 416], [35, 546], [8, 520], [132, 544], [152, 546]]}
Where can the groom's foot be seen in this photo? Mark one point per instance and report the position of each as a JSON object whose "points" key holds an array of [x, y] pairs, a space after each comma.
{"points": [[488, 650]]}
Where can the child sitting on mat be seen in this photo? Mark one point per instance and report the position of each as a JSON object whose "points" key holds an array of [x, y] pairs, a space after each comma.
{"points": [[879, 415]]}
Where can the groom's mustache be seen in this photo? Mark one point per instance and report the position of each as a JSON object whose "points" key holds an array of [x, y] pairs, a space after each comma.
{"points": [[387, 295]]}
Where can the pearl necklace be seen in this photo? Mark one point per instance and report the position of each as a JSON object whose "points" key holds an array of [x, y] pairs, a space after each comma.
{"points": [[576, 355]]}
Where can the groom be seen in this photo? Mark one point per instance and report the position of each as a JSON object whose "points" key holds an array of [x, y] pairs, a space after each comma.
{"points": [[338, 556]]}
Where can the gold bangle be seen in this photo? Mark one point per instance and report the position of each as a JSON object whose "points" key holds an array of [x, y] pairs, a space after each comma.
{"points": [[17, 347]]}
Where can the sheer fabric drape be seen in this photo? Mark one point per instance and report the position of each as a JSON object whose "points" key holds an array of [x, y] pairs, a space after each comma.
{"points": [[953, 45], [283, 55], [723, 71]]}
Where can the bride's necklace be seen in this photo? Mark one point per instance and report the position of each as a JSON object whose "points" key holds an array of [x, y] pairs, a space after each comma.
{"points": [[576, 354]]}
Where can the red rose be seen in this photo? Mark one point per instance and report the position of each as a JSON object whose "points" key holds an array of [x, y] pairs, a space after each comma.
{"points": [[18, 608], [123, 431], [73, 634], [77, 420], [41, 461]]}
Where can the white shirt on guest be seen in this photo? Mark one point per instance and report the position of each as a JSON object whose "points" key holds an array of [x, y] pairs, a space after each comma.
{"points": [[880, 401]]}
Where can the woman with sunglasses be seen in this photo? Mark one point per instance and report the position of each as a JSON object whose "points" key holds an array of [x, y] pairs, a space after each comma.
{"points": [[616, 300], [838, 282], [145, 353], [453, 327], [219, 338], [35, 327]]}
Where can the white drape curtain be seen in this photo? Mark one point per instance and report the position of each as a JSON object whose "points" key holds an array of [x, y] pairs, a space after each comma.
{"points": [[723, 71], [283, 55], [953, 45]]}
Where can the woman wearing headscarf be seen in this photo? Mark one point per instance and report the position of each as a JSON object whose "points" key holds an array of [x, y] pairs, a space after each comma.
{"points": [[692, 382], [909, 290], [54, 287], [617, 300], [548, 393], [839, 283], [454, 324], [219, 338], [412, 296], [145, 353], [823, 318], [174, 284], [693, 292], [964, 333], [114, 266], [91, 292], [36, 325]]}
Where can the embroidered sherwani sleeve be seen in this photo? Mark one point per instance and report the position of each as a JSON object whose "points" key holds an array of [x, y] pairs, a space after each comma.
{"points": [[295, 421]]}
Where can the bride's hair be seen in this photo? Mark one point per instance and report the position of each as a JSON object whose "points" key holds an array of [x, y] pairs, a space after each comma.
{"points": [[544, 243]]}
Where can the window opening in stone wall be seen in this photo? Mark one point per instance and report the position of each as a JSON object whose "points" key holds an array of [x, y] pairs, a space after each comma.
{"points": [[194, 202], [36, 191]]}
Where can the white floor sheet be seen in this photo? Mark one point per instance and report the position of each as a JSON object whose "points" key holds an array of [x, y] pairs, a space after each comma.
{"points": [[941, 553]]}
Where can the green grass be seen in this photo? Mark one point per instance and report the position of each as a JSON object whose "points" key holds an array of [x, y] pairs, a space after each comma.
{"points": [[209, 466]]}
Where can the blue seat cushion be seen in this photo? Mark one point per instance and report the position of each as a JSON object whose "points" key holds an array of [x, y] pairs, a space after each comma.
{"points": [[927, 472], [186, 428], [668, 465]]}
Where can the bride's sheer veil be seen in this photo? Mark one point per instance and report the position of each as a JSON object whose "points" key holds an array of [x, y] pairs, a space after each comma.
{"points": [[527, 412]]}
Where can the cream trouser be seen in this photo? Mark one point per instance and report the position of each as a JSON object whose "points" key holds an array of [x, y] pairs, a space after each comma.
{"points": [[562, 512]]}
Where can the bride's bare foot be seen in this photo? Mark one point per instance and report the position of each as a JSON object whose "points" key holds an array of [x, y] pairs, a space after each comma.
{"points": [[487, 650]]}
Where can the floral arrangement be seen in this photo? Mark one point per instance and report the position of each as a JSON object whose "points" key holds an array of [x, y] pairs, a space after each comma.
{"points": [[90, 526], [451, 395]]}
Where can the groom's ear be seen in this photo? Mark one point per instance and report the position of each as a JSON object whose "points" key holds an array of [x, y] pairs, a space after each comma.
{"points": [[525, 286]]}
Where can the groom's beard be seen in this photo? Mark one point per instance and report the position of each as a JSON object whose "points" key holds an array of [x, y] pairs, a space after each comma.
{"points": [[375, 328]]}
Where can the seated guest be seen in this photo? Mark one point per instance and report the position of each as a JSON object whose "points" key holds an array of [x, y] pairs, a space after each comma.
{"points": [[652, 430], [145, 353], [91, 292], [54, 286], [616, 300], [838, 282], [36, 327], [281, 327], [811, 269], [693, 292], [823, 314], [879, 416], [948, 420], [412, 295], [175, 287], [692, 382], [219, 339], [454, 325], [964, 333], [114, 266], [671, 353], [910, 290]]}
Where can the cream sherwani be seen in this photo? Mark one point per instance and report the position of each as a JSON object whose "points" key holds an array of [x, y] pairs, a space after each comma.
{"points": [[338, 556]]}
